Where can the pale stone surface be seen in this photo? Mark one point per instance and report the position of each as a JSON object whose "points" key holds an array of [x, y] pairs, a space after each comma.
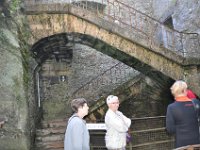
{"points": [[13, 104], [186, 18], [173, 69]]}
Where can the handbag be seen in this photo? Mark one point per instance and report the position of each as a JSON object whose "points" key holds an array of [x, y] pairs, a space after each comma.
{"points": [[128, 136]]}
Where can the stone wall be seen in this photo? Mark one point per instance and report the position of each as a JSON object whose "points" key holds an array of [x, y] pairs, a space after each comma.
{"points": [[14, 99], [184, 13], [89, 69], [186, 16], [184, 19]]}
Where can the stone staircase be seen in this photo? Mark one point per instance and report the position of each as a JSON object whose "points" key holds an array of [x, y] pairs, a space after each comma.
{"points": [[124, 92], [148, 133], [51, 135]]}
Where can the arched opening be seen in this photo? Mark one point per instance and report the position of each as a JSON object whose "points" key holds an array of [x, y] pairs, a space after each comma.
{"points": [[76, 65]]}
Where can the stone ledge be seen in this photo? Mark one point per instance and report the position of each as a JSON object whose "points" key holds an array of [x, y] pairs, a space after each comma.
{"points": [[104, 24]]}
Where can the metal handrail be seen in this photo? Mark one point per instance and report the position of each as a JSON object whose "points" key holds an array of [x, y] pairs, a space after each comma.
{"points": [[154, 32], [95, 78], [139, 118], [117, 73], [189, 147], [171, 39]]}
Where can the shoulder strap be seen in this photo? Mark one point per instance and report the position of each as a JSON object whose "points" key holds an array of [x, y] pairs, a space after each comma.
{"points": [[196, 105], [73, 116]]}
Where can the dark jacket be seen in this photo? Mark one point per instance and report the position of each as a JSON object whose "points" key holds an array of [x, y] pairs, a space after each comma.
{"points": [[181, 120]]}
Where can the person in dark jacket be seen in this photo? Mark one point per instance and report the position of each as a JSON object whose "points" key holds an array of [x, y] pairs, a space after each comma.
{"points": [[181, 118]]}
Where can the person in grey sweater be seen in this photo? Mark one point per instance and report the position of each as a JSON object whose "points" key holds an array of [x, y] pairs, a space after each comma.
{"points": [[77, 135]]}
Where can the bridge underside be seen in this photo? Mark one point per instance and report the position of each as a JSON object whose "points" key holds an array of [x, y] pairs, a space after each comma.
{"points": [[65, 41], [73, 26], [129, 47], [60, 47]]}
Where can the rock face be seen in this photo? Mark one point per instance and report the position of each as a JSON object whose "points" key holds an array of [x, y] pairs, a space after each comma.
{"points": [[183, 12], [186, 18], [13, 99], [90, 69]]}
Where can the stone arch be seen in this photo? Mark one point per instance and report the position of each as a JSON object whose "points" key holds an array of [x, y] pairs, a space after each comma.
{"points": [[76, 30], [50, 19], [42, 50], [65, 42], [150, 62]]}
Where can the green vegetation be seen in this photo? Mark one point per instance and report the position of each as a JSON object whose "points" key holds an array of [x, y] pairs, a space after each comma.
{"points": [[14, 35], [14, 6]]}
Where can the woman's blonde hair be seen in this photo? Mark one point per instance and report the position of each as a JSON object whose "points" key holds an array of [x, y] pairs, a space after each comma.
{"points": [[179, 87]]}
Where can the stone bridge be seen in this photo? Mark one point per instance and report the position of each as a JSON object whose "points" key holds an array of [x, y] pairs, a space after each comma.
{"points": [[78, 25]]}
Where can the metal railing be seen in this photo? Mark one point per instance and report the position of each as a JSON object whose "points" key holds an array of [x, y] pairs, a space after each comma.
{"points": [[153, 32], [105, 82], [189, 147], [147, 133]]}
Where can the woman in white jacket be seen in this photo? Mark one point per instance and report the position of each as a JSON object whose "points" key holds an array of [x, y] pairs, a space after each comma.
{"points": [[117, 125]]}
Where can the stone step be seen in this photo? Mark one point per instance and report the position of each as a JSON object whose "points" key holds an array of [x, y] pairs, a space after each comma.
{"points": [[50, 131], [53, 145], [54, 123], [50, 138]]}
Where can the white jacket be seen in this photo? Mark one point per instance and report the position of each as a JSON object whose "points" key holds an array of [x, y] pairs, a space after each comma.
{"points": [[117, 125]]}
